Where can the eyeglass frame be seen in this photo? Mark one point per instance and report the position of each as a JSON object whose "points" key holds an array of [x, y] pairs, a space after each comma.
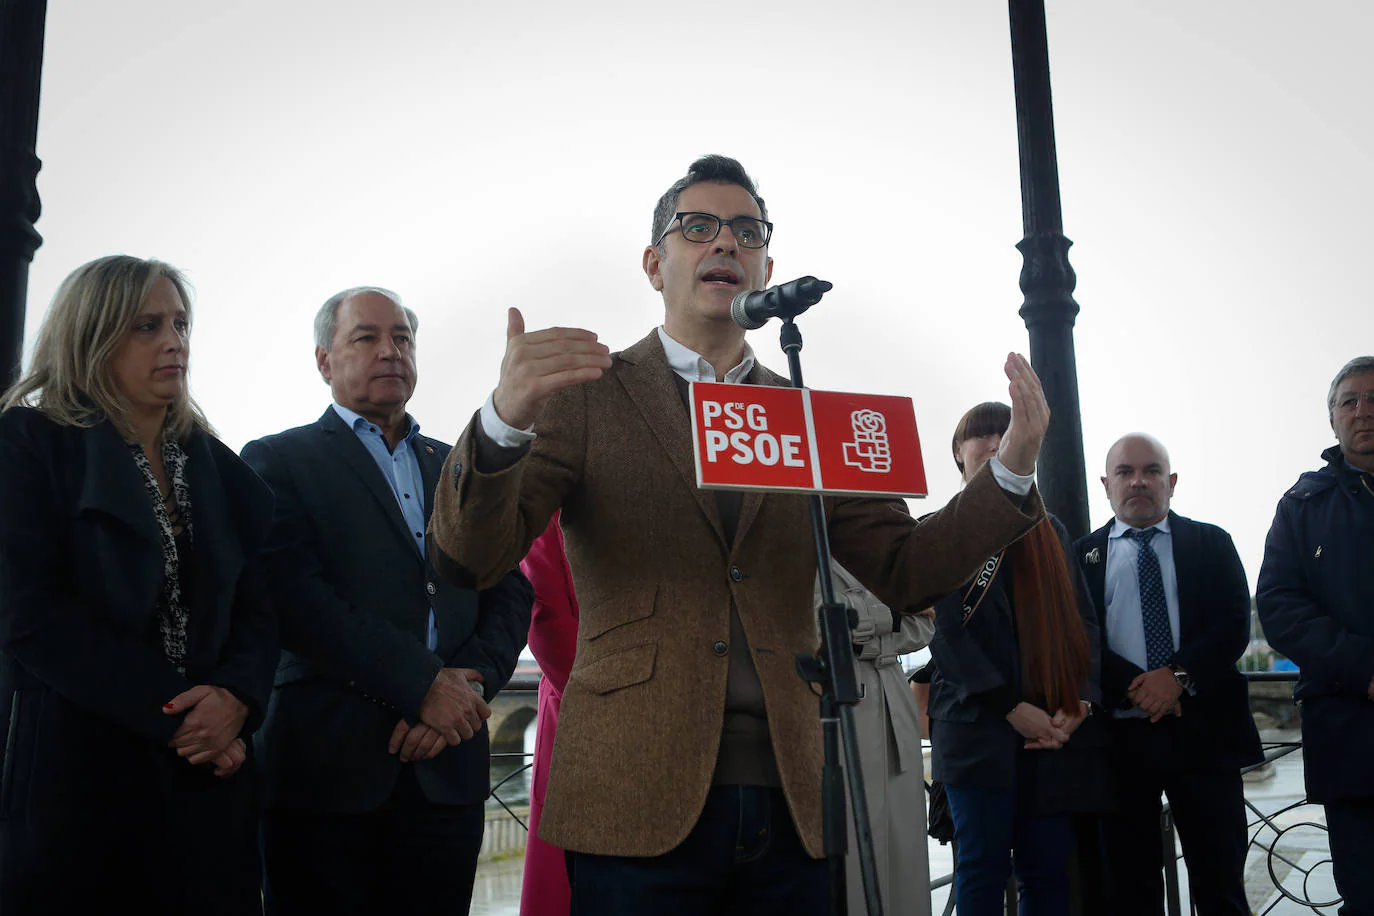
{"points": [[720, 224]]}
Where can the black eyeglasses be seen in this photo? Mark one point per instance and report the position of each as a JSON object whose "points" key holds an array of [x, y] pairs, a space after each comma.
{"points": [[704, 227]]}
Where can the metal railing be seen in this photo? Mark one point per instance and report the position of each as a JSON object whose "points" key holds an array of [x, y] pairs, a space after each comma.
{"points": [[519, 683], [1262, 825]]}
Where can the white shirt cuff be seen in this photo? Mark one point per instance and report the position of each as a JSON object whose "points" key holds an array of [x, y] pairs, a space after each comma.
{"points": [[501, 432], [1015, 484]]}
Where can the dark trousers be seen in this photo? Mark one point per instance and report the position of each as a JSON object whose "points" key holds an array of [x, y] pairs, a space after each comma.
{"points": [[1350, 827], [1208, 805], [408, 856], [994, 828], [742, 857]]}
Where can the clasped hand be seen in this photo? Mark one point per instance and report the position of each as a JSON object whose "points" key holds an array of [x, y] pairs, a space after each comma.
{"points": [[1042, 731], [209, 733], [450, 714], [1156, 693]]}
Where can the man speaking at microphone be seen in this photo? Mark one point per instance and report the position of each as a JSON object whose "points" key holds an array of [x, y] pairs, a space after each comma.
{"points": [[686, 774]]}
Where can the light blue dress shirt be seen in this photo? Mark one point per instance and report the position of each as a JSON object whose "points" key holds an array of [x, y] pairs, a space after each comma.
{"points": [[401, 468], [1121, 593]]}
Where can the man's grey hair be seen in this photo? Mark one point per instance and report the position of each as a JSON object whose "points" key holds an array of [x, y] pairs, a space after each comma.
{"points": [[327, 318], [1354, 367]]}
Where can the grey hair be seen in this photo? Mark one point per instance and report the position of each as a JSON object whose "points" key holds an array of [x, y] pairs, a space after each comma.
{"points": [[1355, 366], [327, 318]]}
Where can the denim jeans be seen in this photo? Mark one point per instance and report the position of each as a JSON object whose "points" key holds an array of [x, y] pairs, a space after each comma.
{"points": [[992, 829], [742, 857]]}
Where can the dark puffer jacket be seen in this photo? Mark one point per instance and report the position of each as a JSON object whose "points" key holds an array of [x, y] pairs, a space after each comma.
{"points": [[1316, 602]]}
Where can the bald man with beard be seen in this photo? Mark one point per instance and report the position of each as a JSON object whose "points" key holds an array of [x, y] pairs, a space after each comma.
{"points": [[1174, 608]]}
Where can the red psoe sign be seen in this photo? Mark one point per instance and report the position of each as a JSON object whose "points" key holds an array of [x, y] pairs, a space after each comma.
{"points": [[752, 437]]}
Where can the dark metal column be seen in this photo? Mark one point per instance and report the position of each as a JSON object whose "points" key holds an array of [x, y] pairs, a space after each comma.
{"points": [[1049, 311], [1047, 280], [21, 71]]}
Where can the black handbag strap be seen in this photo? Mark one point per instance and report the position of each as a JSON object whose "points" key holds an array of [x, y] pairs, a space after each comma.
{"points": [[981, 582]]}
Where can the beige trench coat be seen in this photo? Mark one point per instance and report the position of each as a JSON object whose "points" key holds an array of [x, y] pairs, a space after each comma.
{"points": [[890, 749]]}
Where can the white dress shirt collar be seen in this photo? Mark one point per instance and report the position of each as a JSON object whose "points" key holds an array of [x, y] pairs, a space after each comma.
{"points": [[690, 365], [1119, 528]]}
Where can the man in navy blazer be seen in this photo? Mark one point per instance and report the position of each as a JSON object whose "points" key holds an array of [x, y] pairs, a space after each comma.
{"points": [[1175, 610], [375, 750], [1316, 601]]}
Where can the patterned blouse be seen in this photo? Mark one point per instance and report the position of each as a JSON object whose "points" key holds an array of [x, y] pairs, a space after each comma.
{"points": [[174, 520]]}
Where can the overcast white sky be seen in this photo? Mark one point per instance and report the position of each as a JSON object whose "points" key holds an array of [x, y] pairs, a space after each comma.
{"points": [[1214, 160]]}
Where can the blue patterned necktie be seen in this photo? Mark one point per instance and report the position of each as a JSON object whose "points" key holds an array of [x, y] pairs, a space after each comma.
{"points": [[1154, 611]]}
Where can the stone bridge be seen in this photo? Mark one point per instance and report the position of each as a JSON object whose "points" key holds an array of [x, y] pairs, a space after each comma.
{"points": [[514, 708]]}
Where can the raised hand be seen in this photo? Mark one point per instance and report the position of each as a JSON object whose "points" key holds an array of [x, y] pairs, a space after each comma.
{"points": [[1030, 417], [540, 363]]}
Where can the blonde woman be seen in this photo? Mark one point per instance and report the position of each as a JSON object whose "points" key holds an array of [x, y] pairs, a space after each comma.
{"points": [[136, 646]]}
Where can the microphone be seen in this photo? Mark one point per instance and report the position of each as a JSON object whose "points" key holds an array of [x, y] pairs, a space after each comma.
{"points": [[752, 308]]}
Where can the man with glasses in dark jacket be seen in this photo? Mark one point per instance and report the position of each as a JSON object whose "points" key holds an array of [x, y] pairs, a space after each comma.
{"points": [[1316, 602]]}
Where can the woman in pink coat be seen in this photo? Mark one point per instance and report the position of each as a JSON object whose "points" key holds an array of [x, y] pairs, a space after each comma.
{"points": [[553, 640]]}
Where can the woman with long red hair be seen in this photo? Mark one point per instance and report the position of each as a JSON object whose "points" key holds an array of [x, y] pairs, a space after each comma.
{"points": [[1016, 654]]}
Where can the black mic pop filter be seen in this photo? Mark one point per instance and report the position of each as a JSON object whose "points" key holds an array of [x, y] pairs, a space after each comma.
{"points": [[752, 308]]}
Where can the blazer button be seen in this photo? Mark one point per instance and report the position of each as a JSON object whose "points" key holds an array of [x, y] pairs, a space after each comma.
{"points": [[720, 647], [735, 574], [429, 587]]}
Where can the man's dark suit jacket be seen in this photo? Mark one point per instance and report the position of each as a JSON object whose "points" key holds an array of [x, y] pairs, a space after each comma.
{"points": [[1214, 624], [354, 597]]}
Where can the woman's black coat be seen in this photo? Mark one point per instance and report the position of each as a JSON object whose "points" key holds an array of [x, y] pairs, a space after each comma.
{"points": [[977, 679], [83, 679]]}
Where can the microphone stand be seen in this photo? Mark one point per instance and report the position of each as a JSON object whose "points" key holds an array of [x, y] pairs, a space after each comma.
{"points": [[833, 669]]}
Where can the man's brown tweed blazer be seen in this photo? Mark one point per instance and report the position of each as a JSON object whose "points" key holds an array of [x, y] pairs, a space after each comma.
{"points": [[642, 714]]}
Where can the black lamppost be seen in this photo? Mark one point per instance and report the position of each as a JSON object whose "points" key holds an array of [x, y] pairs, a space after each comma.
{"points": [[1047, 280], [21, 71], [1049, 311]]}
